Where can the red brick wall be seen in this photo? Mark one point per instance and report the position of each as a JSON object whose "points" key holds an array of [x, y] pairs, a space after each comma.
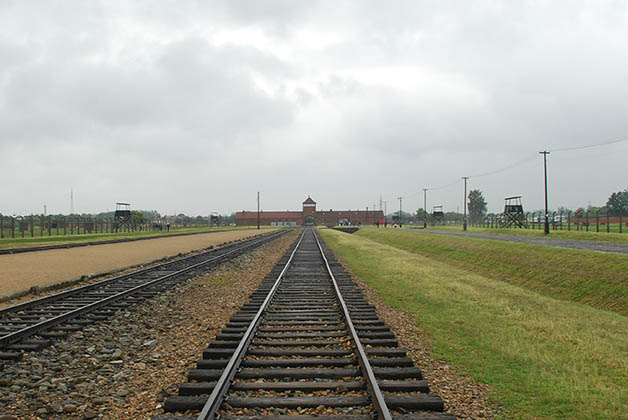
{"points": [[249, 218], [362, 217]]}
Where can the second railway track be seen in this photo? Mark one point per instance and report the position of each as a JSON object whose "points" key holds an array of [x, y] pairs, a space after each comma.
{"points": [[32, 325], [307, 345]]}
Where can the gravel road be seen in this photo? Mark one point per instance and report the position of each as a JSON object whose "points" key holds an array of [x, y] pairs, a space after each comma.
{"points": [[615, 248], [23, 271]]}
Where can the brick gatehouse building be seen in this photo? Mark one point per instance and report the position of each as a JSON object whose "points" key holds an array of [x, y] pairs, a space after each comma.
{"points": [[309, 214]]}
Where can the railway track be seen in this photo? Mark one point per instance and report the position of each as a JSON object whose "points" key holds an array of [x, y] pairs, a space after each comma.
{"points": [[306, 346], [32, 325]]}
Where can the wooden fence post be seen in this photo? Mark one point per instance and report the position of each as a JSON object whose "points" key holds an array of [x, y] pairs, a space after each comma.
{"points": [[597, 221]]}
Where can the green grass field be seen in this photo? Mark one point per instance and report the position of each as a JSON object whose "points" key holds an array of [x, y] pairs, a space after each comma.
{"points": [[558, 234], [10, 243], [596, 279], [544, 358]]}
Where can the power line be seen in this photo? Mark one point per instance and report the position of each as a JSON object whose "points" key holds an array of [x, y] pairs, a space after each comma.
{"points": [[443, 186], [505, 168], [522, 161], [566, 149]]}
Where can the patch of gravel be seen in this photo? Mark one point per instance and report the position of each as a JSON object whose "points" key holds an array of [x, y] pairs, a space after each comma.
{"points": [[123, 368], [463, 397]]}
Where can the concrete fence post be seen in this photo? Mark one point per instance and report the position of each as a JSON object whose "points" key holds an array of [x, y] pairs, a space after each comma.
{"points": [[608, 222]]}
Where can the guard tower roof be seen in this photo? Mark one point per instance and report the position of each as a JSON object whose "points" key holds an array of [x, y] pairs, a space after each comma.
{"points": [[309, 200]]}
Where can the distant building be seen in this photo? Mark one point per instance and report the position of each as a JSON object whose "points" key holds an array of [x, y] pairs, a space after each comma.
{"points": [[309, 215]]}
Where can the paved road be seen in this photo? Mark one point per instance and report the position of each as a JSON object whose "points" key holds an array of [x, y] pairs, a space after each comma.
{"points": [[615, 248]]}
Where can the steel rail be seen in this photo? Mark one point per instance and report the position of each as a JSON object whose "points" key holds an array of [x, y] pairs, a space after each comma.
{"points": [[367, 371], [41, 326], [76, 290], [221, 388]]}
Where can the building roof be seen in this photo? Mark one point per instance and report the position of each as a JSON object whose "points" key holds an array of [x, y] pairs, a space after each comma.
{"points": [[309, 200]]}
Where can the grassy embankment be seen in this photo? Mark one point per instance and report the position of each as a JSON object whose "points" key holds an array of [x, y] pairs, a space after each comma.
{"points": [[554, 234], [545, 358], [596, 279], [9, 243]]}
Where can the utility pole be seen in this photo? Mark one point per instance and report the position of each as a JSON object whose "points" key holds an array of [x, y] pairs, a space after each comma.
{"points": [[400, 219], [258, 210], [44, 210], [385, 211], [464, 220], [545, 153], [367, 215], [71, 201], [424, 208]]}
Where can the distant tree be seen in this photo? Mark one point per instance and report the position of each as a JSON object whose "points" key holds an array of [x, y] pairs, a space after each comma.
{"points": [[452, 216], [137, 218], [477, 206], [618, 203], [228, 218], [420, 215]]}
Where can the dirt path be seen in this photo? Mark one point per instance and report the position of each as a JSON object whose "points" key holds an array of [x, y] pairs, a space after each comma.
{"points": [[615, 248], [22, 271]]}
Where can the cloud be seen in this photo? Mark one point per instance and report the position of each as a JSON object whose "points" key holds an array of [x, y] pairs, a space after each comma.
{"points": [[192, 106]]}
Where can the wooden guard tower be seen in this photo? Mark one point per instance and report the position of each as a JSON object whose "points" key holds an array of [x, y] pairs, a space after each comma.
{"points": [[122, 216], [438, 215], [513, 213]]}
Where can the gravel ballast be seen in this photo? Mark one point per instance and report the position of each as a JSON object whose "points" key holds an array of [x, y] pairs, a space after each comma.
{"points": [[123, 368]]}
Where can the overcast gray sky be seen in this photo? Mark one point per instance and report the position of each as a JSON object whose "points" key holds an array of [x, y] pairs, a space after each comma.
{"points": [[195, 106]]}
